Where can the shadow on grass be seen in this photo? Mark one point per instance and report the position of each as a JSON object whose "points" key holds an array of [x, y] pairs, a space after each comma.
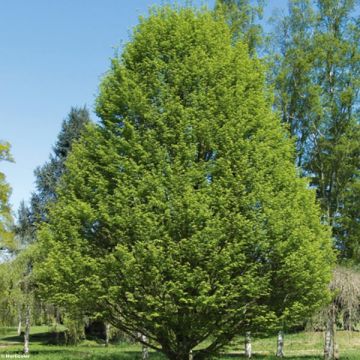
{"points": [[39, 338], [12, 339], [271, 357], [71, 354]]}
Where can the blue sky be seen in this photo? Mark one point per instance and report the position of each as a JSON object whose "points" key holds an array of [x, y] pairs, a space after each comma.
{"points": [[53, 54]]}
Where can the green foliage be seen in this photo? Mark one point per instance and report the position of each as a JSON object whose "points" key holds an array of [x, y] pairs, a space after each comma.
{"points": [[7, 313], [243, 19], [317, 82], [26, 226], [6, 235], [22, 288], [74, 332], [48, 175], [16, 286], [348, 228], [181, 216]]}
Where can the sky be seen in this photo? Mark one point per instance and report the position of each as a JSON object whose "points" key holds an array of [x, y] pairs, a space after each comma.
{"points": [[53, 54]]}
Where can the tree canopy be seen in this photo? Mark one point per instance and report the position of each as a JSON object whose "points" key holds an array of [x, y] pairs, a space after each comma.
{"points": [[6, 235], [317, 68], [48, 175], [23, 289], [181, 216], [243, 17]]}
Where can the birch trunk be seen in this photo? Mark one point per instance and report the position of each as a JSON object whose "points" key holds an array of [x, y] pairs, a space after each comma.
{"points": [[328, 355], [248, 345], [280, 344], [57, 322], [191, 355], [27, 329], [107, 334], [329, 349], [145, 350]]}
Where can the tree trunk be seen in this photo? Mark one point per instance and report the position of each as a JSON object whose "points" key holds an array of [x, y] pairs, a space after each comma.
{"points": [[347, 320], [328, 353], [107, 334], [280, 344], [27, 329], [19, 324], [183, 356], [57, 322], [329, 350], [248, 345], [145, 350]]}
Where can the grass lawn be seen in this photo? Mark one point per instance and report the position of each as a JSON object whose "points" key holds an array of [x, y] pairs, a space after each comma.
{"points": [[301, 346]]}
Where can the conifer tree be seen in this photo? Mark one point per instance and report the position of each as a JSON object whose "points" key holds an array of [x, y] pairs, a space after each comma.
{"points": [[48, 175], [30, 217]]}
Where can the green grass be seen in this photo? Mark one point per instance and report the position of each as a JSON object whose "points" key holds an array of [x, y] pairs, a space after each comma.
{"points": [[301, 346]]}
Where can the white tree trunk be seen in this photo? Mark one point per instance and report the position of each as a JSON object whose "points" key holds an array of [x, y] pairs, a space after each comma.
{"points": [[248, 345], [57, 323], [328, 353], [107, 334], [145, 350], [191, 355], [27, 329], [329, 349], [280, 344]]}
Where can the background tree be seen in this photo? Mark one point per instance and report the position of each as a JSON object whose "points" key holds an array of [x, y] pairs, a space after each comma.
{"points": [[48, 175], [6, 235], [20, 287], [181, 214], [7, 309], [16, 289], [317, 87], [343, 310], [297, 96], [243, 18]]}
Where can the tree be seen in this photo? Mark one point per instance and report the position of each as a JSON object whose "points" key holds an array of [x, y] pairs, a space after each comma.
{"points": [[242, 17], [348, 229], [26, 226], [7, 313], [48, 175], [344, 308], [297, 96], [317, 82], [17, 292], [6, 235], [30, 217], [181, 216]]}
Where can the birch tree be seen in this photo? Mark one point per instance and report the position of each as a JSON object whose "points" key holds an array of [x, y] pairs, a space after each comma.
{"points": [[317, 81], [6, 234]]}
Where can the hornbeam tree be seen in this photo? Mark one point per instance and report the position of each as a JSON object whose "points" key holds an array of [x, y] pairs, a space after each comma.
{"points": [[181, 216]]}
